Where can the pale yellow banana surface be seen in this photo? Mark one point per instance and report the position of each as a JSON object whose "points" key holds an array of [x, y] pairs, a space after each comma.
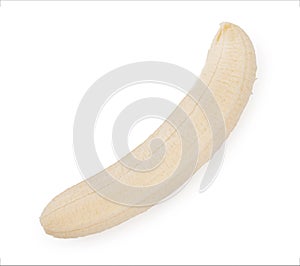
{"points": [[229, 72]]}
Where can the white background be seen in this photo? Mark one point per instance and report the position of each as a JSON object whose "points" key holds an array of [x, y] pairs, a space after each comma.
{"points": [[50, 54]]}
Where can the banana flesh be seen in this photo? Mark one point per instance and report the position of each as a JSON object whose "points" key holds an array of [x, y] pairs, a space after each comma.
{"points": [[229, 72]]}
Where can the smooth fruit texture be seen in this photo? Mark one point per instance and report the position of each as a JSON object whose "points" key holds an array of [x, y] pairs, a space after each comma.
{"points": [[229, 73]]}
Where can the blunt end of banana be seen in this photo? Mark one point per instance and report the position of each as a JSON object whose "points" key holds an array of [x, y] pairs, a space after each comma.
{"points": [[229, 72], [50, 223]]}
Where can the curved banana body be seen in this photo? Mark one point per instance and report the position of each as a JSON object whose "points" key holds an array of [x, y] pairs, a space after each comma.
{"points": [[229, 73]]}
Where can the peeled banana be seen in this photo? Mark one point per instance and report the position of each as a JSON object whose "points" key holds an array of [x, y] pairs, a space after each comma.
{"points": [[229, 72]]}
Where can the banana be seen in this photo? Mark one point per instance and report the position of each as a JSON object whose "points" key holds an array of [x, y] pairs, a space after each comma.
{"points": [[229, 72]]}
